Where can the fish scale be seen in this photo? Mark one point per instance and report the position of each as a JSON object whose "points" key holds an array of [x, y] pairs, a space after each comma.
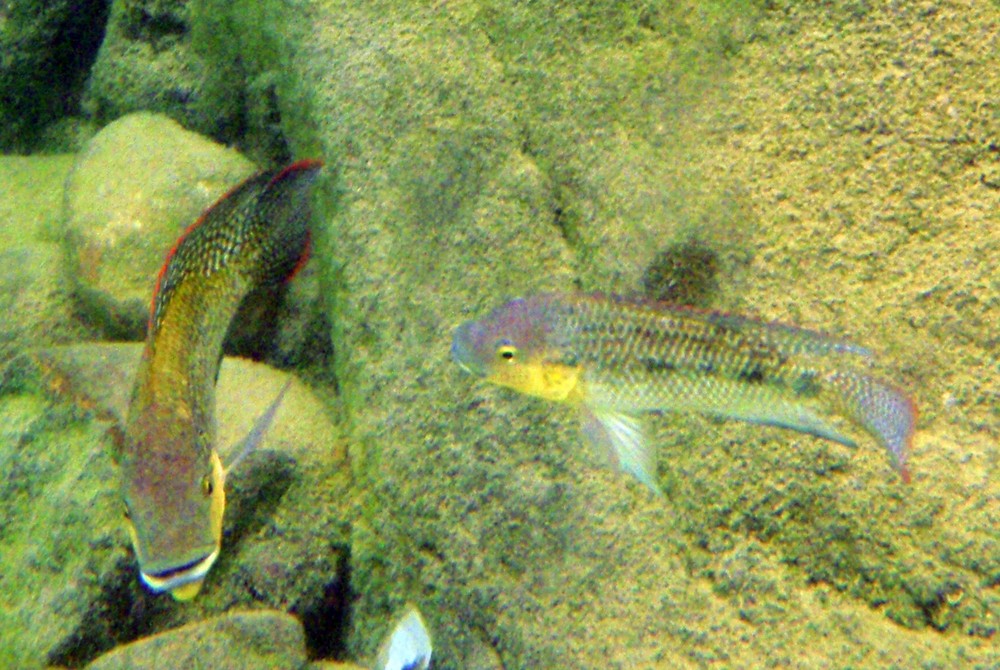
{"points": [[617, 358], [247, 244], [172, 476], [660, 345]]}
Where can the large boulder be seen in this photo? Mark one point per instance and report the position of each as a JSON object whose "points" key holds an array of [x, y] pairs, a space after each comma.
{"points": [[494, 152], [260, 640], [136, 186]]}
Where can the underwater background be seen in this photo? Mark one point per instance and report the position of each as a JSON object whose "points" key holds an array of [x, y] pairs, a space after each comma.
{"points": [[833, 165]]}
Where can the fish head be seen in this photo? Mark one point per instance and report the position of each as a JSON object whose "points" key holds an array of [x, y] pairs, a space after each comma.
{"points": [[514, 347], [174, 495]]}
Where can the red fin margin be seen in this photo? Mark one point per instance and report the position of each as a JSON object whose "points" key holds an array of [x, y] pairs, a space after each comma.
{"points": [[304, 164]]}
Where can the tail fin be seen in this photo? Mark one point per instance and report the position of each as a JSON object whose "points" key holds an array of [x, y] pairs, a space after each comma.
{"points": [[885, 412]]}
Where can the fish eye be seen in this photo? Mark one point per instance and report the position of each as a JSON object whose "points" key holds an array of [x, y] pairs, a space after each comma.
{"points": [[206, 485], [506, 351]]}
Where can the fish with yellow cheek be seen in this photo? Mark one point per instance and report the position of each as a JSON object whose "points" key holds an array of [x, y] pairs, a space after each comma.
{"points": [[172, 478], [617, 358]]}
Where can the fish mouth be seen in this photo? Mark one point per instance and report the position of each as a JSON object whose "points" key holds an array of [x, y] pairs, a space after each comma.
{"points": [[183, 581]]}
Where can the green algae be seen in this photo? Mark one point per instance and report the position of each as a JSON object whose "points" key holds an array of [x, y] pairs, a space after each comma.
{"points": [[500, 163], [683, 274], [46, 49], [258, 640], [476, 153], [32, 197], [34, 291], [60, 530]]}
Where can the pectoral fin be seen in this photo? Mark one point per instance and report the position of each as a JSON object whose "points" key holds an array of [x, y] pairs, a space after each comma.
{"points": [[91, 375], [622, 438], [253, 438]]}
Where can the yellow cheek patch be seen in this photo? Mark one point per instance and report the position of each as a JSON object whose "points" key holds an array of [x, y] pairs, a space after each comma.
{"points": [[133, 535], [218, 498], [551, 381]]}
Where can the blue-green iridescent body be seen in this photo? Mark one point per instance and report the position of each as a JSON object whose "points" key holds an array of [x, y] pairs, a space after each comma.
{"points": [[618, 358]]}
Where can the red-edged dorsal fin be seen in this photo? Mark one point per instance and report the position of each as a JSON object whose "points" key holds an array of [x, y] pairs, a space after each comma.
{"points": [[297, 166], [303, 259]]}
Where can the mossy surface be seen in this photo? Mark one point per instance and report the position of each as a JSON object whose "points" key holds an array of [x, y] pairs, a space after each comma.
{"points": [[489, 152], [838, 162], [46, 50], [60, 526], [35, 293]]}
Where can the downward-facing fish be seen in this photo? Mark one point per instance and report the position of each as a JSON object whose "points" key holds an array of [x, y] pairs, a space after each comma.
{"points": [[172, 476]]}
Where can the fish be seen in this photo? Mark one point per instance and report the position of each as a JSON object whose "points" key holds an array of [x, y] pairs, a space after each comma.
{"points": [[172, 476], [408, 645], [617, 358]]}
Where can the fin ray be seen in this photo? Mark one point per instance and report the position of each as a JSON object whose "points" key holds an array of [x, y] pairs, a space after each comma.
{"points": [[256, 434], [622, 438]]}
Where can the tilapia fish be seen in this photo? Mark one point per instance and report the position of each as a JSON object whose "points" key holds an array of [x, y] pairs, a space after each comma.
{"points": [[172, 477], [617, 358]]}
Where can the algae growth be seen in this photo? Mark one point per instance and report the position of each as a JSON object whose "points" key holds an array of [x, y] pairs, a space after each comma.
{"points": [[838, 161]]}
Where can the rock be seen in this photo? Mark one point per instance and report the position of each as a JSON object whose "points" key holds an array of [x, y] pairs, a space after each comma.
{"points": [[46, 50], [145, 63], [494, 153], [265, 639], [35, 291], [64, 554], [138, 184], [178, 58]]}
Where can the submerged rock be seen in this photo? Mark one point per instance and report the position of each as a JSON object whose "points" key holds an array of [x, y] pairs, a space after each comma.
{"points": [[46, 50], [136, 186], [35, 291], [264, 640]]}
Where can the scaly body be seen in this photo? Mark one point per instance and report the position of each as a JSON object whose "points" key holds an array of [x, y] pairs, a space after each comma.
{"points": [[172, 476], [618, 358]]}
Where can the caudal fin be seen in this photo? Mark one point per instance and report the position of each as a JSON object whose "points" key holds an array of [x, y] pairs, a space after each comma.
{"points": [[888, 414]]}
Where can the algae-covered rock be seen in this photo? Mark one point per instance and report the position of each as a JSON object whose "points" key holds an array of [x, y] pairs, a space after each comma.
{"points": [[497, 151], [35, 294], [136, 186], [145, 63], [64, 555], [264, 639], [46, 50], [200, 64]]}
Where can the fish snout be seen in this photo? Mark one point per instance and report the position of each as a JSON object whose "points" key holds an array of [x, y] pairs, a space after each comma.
{"points": [[182, 581]]}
